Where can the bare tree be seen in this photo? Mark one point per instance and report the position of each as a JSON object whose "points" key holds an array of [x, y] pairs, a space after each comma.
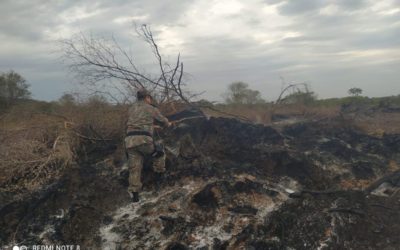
{"points": [[106, 68], [290, 89], [292, 93]]}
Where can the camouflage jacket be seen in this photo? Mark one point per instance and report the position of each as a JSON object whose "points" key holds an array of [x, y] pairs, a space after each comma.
{"points": [[141, 117]]}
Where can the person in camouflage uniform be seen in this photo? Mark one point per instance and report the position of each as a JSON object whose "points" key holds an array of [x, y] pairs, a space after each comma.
{"points": [[139, 141]]}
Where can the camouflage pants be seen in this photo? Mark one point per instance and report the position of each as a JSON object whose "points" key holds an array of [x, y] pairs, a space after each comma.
{"points": [[136, 156]]}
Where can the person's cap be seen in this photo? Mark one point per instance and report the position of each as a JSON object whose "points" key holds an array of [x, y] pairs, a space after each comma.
{"points": [[142, 93]]}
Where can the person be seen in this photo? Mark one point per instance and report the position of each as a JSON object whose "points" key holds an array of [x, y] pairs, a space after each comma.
{"points": [[139, 142]]}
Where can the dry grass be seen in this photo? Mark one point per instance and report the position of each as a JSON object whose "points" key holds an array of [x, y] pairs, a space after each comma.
{"points": [[37, 147], [264, 113], [33, 152], [379, 124], [354, 184]]}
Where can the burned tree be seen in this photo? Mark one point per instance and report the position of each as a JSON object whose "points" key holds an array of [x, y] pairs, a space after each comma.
{"points": [[105, 67]]}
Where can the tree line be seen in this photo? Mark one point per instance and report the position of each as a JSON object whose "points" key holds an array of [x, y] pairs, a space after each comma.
{"points": [[13, 87]]}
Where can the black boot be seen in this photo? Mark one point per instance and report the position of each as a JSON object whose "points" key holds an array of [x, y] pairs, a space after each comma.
{"points": [[135, 197]]}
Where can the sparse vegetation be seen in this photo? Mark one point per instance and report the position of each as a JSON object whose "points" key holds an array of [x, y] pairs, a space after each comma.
{"points": [[300, 97]]}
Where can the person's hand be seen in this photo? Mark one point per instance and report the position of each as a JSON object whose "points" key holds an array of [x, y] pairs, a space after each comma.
{"points": [[170, 124], [167, 124]]}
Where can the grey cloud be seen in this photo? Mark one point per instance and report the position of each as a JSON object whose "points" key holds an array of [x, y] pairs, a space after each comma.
{"points": [[387, 38], [343, 32], [247, 17], [272, 2], [159, 12], [25, 20], [167, 11], [215, 60], [219, 46], [298, 7], [301, 7], [351, 5]]}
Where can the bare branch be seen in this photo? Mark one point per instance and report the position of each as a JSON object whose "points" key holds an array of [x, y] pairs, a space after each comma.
{"points": [[106, 67], [293, 86]]}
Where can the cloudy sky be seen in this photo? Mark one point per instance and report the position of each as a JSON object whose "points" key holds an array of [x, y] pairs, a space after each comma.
{"points": [[331, 44]]}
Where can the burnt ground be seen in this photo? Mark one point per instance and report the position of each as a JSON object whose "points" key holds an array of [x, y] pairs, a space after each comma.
{"points": [[229, 185]]}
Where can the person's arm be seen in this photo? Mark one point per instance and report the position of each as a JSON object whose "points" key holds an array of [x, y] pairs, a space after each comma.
{"points": [[159, 117]]}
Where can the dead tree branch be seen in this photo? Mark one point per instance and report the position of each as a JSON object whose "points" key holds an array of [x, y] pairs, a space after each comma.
{"points": [[106, 68], [290, 87]]}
